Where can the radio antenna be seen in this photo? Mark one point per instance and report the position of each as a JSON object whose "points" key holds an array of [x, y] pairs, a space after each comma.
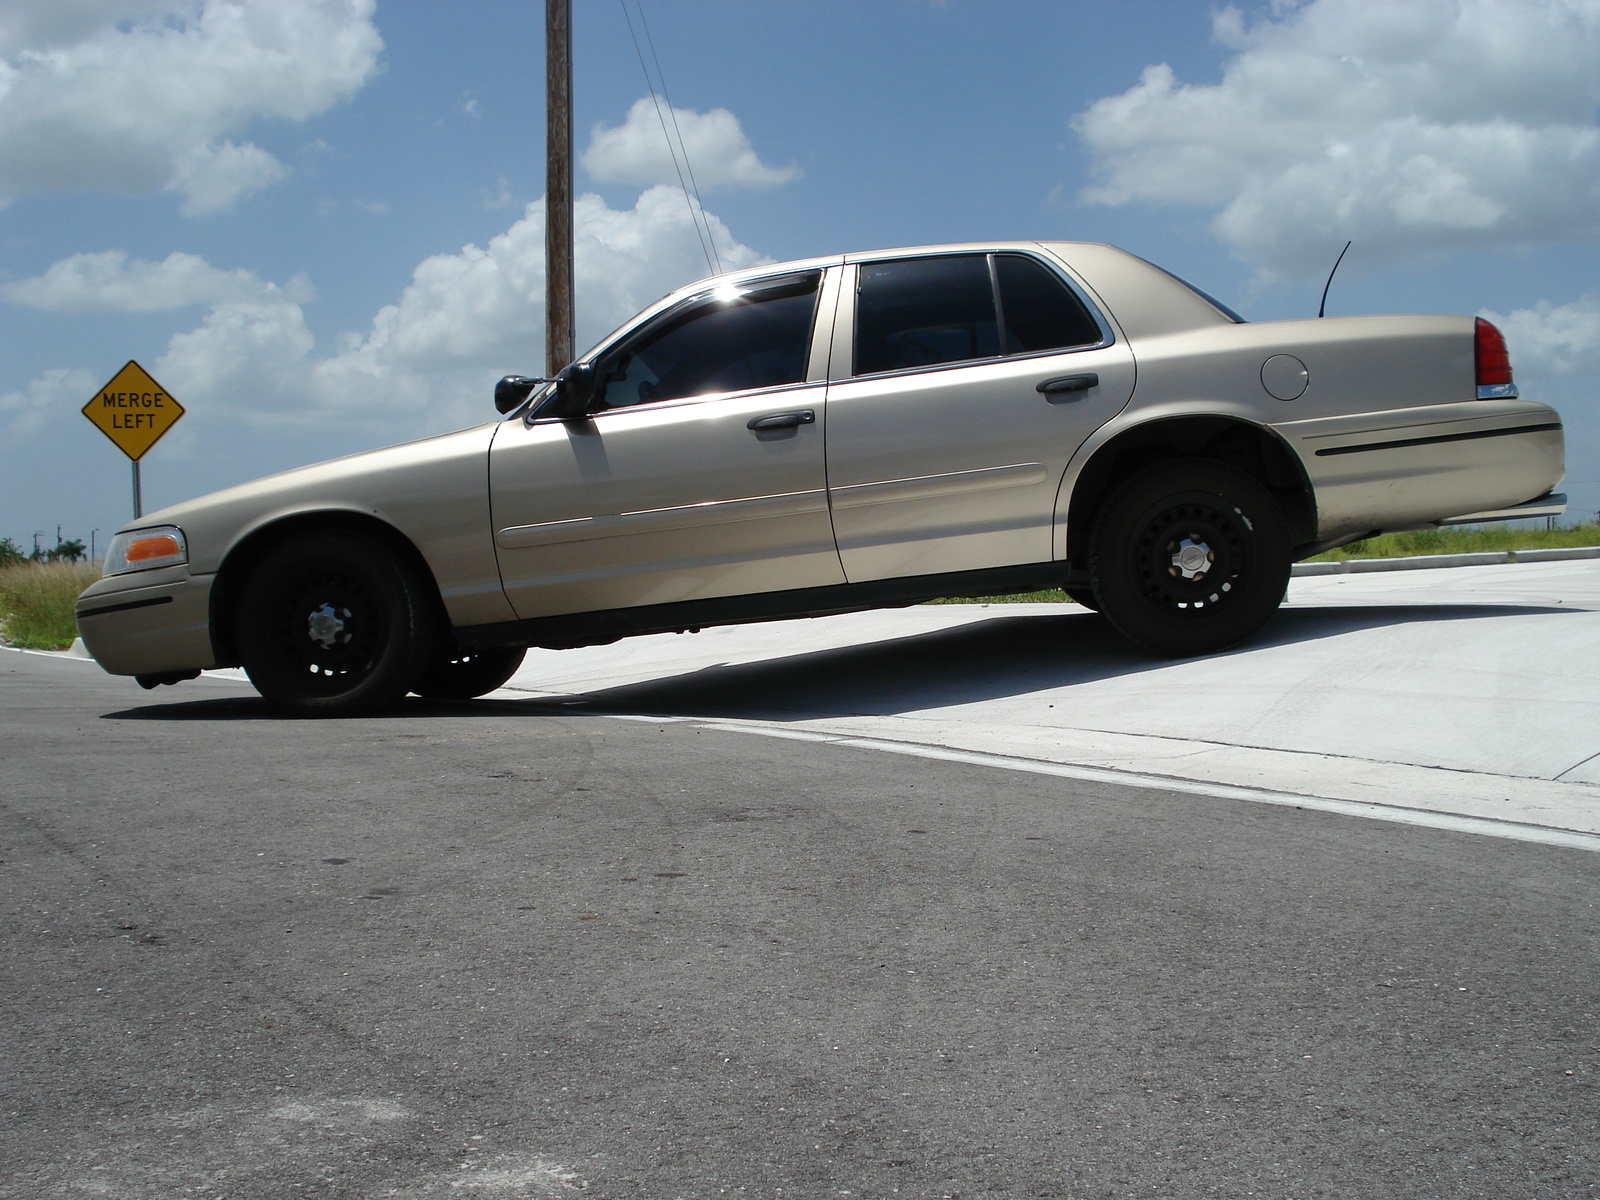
{"points": [[1323, 307]]}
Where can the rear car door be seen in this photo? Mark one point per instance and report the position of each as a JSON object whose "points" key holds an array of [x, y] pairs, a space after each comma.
{"points": [[960, 386], [698, 472]]}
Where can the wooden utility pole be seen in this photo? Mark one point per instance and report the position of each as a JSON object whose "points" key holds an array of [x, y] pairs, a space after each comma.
{"points": [[558, 349]]}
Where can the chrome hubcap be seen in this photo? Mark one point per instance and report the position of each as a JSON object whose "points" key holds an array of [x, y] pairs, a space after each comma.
{"points": [[1191, 558], [325, 626]]}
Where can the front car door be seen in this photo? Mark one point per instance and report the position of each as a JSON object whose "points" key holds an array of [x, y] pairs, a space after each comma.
{"points": [[698, 471], [961, 384]]}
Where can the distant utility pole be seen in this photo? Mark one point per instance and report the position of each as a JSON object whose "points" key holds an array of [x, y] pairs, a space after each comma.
{"points": [[558, 349]]}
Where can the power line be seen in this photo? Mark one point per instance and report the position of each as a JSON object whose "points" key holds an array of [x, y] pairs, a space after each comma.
{"points": [[687, 166], [696, 211]]}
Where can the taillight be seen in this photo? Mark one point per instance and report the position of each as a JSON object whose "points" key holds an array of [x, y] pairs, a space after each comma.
{"points": [[1493, 363]]}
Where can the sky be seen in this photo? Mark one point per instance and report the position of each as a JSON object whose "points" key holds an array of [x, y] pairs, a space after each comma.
{"points": [[319, 223]]}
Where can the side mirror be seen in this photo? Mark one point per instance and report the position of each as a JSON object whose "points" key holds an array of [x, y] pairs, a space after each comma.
{"points": [[511, 391], [574, 389]]}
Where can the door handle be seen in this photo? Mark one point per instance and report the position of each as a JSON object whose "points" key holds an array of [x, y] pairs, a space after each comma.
{"points": [[1069, 383], [786, 420]]}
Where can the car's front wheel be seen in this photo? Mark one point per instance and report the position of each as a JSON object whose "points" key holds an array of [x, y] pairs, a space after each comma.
{"points": [[1189, 557], [464, 675], [333, 625]]}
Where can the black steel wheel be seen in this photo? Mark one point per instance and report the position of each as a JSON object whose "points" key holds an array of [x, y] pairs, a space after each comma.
{"points": [[1189, 557], [460, 675], [333, 625]]}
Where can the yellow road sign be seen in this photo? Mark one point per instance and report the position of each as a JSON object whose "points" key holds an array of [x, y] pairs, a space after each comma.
{"points": [[133, 410]]}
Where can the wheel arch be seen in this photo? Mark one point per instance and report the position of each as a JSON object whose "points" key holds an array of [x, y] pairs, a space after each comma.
{"points": [[1253, 448], [250, 549]]}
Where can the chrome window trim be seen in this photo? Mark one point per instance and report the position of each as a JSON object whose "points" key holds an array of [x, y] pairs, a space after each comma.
{"points": [[1108, 335], [676, 402]]}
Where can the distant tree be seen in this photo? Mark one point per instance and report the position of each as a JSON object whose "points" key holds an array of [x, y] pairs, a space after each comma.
{"points": [[71, 550], [10, 553]]}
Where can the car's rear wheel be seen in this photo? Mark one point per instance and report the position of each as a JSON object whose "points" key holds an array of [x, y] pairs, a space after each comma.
{"points": [[1189, 557], [460, 675], [333, 625]]}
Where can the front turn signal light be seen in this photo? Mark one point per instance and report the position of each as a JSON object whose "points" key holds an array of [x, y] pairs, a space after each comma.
{"points": [[142, 549]]}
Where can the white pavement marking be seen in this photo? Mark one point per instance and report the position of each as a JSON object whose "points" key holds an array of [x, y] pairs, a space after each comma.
{"points": [[1455, 822], [1467, 696]]}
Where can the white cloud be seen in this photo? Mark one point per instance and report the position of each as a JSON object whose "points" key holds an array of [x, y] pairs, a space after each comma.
{"points": [[720, 155], [45, 24], [468, 318], [429, 360], [1551, 339], [108, 281], [1406, 125], [56, 391], [247, 360], [140, 97], [213, 178]]}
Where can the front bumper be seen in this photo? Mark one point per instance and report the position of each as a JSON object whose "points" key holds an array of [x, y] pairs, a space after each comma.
{"points": [[148, 623]]}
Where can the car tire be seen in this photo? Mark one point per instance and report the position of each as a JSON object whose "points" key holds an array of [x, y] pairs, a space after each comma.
{"points": [[333, 625], [1189, 557], [458, 675], [1083, 597]]}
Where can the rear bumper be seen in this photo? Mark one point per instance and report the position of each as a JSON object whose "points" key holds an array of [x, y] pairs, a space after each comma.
{"points": [[1551, 504], [148, 625]]}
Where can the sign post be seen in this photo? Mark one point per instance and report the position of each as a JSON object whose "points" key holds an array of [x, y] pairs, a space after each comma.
{"points": [[133, 410]]}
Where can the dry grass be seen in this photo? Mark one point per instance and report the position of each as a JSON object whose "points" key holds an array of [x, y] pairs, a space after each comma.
{"points": [[36, 602]]}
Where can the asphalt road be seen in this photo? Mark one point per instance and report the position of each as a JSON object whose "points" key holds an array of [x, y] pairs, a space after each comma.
{"points": [[514, 949]]}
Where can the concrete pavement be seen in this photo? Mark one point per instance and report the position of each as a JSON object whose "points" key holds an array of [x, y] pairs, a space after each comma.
{"points": [[1468, 692]]}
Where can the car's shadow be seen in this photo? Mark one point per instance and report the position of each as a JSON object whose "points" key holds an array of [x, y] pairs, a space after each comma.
{"points": [[985, 660]]}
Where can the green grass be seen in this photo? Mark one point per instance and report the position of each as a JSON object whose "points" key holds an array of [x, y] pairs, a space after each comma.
{"points": [[36, 603], [1388, 545], [1478, 540]]}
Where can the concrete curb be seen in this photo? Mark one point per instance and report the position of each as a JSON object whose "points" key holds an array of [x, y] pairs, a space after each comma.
{"points": [[1422, 562]]}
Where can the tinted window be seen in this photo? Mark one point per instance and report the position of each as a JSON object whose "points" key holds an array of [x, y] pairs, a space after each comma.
{"points": [[1040, 311], [922, 311], [756, 339]]}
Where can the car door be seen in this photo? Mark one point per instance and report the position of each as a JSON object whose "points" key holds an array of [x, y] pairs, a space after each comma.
{"points": [[697, 472], [960, 386]]}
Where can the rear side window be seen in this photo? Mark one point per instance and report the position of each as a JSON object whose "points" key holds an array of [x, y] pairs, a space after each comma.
{"points": [[921, 312], [1039, 310], [726, 343]]}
